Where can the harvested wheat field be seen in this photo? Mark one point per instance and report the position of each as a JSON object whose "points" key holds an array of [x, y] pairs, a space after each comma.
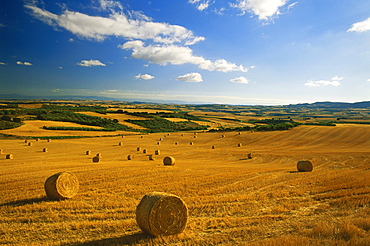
{"points": [[231, 199]]}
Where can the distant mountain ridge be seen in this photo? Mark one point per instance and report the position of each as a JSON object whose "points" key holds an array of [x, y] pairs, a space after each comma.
{"points": [[365, 104]]}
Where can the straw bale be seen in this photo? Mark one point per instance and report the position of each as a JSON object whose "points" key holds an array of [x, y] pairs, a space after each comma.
{"points": [[138, 148], [223, 136], [157, 152], [45, 150], [88, 152], [249, 155], [161, 214], [26, 141], [96, 159], [61, 186], [213, 147], [9, 156], [130, 157], [158, 143], [191, 143], [169, 161], [240, 145], [195, 136], [120, 143], [49, 140], [1, 151], [151, 158], [145, 151], [99, 155], [304, 166], [30, 144]]}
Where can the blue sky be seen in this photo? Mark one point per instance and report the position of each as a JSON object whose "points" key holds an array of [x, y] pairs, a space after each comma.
{"points": [[269, 52]]}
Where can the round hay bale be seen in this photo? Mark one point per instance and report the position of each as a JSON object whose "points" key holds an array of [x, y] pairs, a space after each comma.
{"points": [[145, 151], [151, 158], [49, 140], [9, 156], [213, 147], [1, 151], [195, 136], [223, 136], [157, 152], [176, 143], [160, 139], [239, 133], [158, 143], [138, 148], [26, 141], [195, 133], [161, 214], [99, 155], [191, 143], [45, 150], [141, 136], [37, 139], [130, 157], [30, 144], [61, 186], [120, 144], [249, 156], [304, 166], [123, 136], [240, 145], [169, 161], [88, 152], [96, 159]]}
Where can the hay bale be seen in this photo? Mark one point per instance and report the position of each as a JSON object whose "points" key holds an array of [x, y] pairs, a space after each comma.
{"points": [[157, 152], [37, 139], [151, 158], [96, 159], [213, 147], [26, 141], [158, 143], [160, 139], [161, 214], [45, 150], [304, 166], [249, 156], [120, 144], [239, 133], [1, 151], [88, 152], [99, 155], [191, 143], [141, 136], [138, 148], [130, 157], [195, 136], [145, 151], [169, 161], [176, 143], [30, 144], [223, 136], [61, 186], [49, 140], [9, 156], [240, 145]]}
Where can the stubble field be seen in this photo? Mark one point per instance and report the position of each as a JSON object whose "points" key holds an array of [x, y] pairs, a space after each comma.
{"points": [[232, 200]]}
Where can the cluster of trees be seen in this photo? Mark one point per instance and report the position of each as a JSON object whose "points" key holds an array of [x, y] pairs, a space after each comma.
{"points": [[158, 124], [4, 124], [180, 114]]}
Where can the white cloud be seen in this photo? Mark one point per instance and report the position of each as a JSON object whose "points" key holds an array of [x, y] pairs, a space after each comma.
{"points": [[241, 80], [24, 63], [144, 76], [117, 24], [335, 81], [191, 77], [3, 63], [91, 63], [362, 26], [107, 5], [177, 55], [264, 9], [368, 80], [201, 5]]}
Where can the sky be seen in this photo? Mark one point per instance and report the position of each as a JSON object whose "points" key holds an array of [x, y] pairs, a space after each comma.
{"points": [[249, 52]]}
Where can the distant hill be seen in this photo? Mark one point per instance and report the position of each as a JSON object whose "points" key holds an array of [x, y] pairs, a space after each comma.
{"points": [[331, 105]]}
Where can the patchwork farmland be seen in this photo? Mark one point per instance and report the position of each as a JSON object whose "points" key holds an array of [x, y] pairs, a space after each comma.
{"points": [[240, 187]]}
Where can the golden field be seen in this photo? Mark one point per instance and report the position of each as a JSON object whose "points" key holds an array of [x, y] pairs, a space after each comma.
{"points": [[232, 200]]}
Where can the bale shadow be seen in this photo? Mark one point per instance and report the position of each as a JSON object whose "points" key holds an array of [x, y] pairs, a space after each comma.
{"points": [[125, 240], [25, 202]]}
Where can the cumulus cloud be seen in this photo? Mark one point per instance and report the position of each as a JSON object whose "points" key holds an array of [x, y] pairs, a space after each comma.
{"points": [[362, 26], [91, 63], [201, 5], [24, 63], [264, 9], [241, 80], [191, 77], [132, 26], [144, 76], [335, 81], [177, 55], [108, 5]]}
